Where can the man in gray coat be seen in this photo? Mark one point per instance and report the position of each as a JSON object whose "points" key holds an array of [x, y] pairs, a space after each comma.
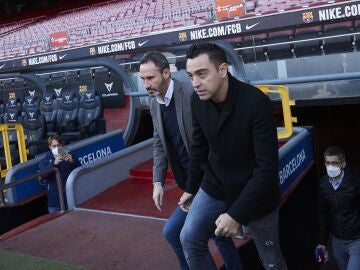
{"points": [[172, 121]]}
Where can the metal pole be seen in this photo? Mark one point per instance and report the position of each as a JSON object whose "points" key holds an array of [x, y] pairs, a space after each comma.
{"points": [[60, 189]]}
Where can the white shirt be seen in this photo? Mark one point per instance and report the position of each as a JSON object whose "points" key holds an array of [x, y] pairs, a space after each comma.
{"points": [[336, 184], [169, 93]]}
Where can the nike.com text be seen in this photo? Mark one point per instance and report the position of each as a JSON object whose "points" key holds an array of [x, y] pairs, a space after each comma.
{"points": [[216, 31]]}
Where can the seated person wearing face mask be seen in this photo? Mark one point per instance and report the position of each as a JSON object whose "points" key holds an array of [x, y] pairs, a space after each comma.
{"points": [[339, 210], [65, 162]]}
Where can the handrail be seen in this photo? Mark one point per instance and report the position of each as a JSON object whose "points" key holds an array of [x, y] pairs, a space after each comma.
{"points": [[27, 178], [18, 128], [285, 104], [80, 149]]}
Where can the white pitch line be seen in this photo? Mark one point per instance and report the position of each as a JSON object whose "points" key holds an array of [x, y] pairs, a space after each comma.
{"points": [[119, 214]]}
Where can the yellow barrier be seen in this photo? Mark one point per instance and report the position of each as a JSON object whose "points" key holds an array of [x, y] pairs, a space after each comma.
{"points": [[286, 103], [4, 129]]}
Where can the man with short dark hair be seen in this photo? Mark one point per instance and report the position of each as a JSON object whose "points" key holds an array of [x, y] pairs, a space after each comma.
{"points": [[339, 210], [65, 162], [235, 144], [171, 115]]}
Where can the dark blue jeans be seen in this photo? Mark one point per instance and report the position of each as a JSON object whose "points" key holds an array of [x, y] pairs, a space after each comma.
{"points": [[200, 225], [226, 246], [346, 253]]}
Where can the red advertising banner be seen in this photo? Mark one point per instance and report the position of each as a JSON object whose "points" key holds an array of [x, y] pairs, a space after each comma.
{"points": [[229, 8], [58, 39]]}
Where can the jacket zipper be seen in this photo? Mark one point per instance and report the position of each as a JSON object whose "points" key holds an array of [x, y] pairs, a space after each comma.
{"points": [[337, 214]]}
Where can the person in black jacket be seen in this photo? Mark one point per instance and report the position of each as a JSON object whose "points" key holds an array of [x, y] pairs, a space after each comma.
{"points": [[65, 162], [235, 144], [339, 209], [171, 115]]}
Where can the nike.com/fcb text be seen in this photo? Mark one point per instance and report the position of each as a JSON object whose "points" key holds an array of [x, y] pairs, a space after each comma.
{"points": [[339, 12], [216, 31]]}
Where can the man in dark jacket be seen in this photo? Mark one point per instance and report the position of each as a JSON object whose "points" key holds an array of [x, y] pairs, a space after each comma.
{"points": [[171, 115], [65, 162], [339, 209], [235, 143]]}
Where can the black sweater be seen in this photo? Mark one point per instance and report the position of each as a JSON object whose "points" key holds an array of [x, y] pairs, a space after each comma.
{"points": [[237, 150], [339, 210]]}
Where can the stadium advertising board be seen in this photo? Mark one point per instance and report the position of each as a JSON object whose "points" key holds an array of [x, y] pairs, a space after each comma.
{"points": [[293, 165], [58, 39], [217, 30], [226, 9]]}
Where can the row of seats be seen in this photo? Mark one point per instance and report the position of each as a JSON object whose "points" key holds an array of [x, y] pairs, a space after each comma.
{"points": [[320, 39], [90, 24], [119, 19], [69, 116], [263, 7]]}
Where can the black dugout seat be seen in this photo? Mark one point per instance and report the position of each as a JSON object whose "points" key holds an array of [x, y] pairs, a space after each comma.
{"points": [[13, 104], [30, 102], [67, 116], [12, 116], [49, 108], [2, 110], [90, 113], [35, 130]]}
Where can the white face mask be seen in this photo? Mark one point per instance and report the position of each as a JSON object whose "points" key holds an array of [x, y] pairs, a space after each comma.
{"points": [[333, 171], [55, 151]]}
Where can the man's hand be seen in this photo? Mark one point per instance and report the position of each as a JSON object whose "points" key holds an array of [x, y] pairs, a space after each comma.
{"points": [[158, 194], [69, 158], [185, 201], [226, 226], [58, 159], [325, 252]]}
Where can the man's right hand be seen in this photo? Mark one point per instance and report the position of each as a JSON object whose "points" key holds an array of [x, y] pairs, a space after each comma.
{"points": [[185, 201], [158, 194], [325, 253], [58, 159]]}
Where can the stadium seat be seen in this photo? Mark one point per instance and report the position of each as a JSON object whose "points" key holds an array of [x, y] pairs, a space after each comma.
{"points": [[90, 112], [280, 44], [30, 102], [357, 36], [249, 6], [13, 103], [308, 41], [34, 128], [254, 50], [48, 108], [67, 117], [99, 23], [2, 110], [341, 37], [11, 116]]}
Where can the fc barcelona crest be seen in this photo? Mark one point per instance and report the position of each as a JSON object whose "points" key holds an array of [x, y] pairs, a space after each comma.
{"points": [[308, 17], [182, 36], [92, 51]]}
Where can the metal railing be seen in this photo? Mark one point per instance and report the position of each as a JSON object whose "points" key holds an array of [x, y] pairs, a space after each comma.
{"points": [[20, 138], [285, 105], [30, 177]]}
